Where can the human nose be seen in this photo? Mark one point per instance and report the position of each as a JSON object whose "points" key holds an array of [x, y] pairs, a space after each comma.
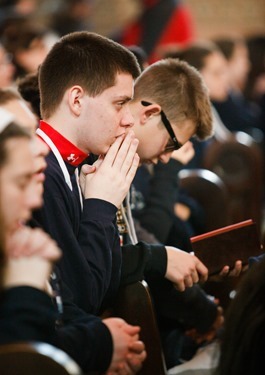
{"points": [[127, 118]]}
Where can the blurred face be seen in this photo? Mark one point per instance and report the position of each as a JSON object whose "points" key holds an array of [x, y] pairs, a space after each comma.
{"points": [[15, 180], [239, 65], [215, 76], [7, 69], [39, 149], [30, 59], [109, 116]]}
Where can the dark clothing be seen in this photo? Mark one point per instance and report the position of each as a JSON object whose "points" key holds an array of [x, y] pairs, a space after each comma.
{"points": [[29, 314], [26, 314], [238, 114], [153, 199], [160, 191], [90, 266], [84, 337], [93, 265]]}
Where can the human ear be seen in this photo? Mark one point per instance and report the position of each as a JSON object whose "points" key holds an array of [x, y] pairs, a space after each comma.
{"points": [[75, 96], [150, 111]]}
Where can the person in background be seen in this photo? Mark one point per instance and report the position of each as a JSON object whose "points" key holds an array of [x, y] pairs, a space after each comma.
{"points": [[161, 25], [7, 69], [254, 89], [244, 331], [27, 312], [28, 42], [236, 111]]}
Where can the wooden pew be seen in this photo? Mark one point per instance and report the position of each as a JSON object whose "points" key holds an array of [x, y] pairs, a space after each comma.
{"points": [[35, 358], [239, 163], [210, 192], [134, 304]]}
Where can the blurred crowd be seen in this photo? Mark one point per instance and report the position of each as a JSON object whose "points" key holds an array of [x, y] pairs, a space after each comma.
{"points": [[232, 68]]}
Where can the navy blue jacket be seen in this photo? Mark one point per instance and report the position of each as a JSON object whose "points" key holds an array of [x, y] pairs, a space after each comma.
{"points": [[29, 314]]}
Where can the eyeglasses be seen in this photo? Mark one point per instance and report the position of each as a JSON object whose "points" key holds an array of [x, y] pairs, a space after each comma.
{"points": [[171, 147]]}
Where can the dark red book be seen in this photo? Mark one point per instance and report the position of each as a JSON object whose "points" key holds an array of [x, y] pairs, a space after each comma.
{"points": [[224, 246]]}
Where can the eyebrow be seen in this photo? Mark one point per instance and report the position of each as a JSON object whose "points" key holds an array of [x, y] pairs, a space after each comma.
{"points": [[124, 98]]}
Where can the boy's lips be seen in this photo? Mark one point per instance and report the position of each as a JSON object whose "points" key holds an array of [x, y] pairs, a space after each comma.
{"points": [[40, 176]]}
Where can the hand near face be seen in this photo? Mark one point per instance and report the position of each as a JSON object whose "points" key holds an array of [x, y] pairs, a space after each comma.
{"points": [[113, 175], [30, 254], [184, 154], [184, 269], [128, 351]]}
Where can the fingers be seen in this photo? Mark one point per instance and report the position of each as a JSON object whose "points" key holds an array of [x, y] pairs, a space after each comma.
{"points": [[113, 150], [224, 271], [121, 153], [131, 330], [135, 361], [184, 269], [137, 346], [133, 168], [85, 170], [129, 150], [191, 279], [237, 269], [180, 285], [202, 270], [28, 242]]}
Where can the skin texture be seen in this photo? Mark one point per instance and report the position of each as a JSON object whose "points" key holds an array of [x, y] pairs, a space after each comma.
{"points": [[7, 69]]}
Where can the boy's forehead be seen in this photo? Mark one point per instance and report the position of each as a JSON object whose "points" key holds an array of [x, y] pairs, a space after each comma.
{"points": [[123, 87]]}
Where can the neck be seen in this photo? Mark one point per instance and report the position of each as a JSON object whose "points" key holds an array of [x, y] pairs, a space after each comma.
{"points": [[62, 126]]}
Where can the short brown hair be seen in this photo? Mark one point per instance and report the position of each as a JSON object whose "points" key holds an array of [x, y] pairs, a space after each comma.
{"points": [[195, 54], [180, 91], [86, 59]]}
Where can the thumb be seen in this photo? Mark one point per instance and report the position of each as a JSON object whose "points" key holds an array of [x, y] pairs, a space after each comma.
{"points": [[87, 169]]}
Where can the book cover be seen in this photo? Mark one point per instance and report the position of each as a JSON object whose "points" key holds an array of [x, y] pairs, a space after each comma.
{"points": [[224, 246]]}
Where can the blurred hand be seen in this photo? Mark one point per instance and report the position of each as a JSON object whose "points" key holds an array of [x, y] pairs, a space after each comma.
{"points": [[227, 272], [182, 211], [28, 242], [30, 257], [184, 269], [185, 153], [128, 351]]}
